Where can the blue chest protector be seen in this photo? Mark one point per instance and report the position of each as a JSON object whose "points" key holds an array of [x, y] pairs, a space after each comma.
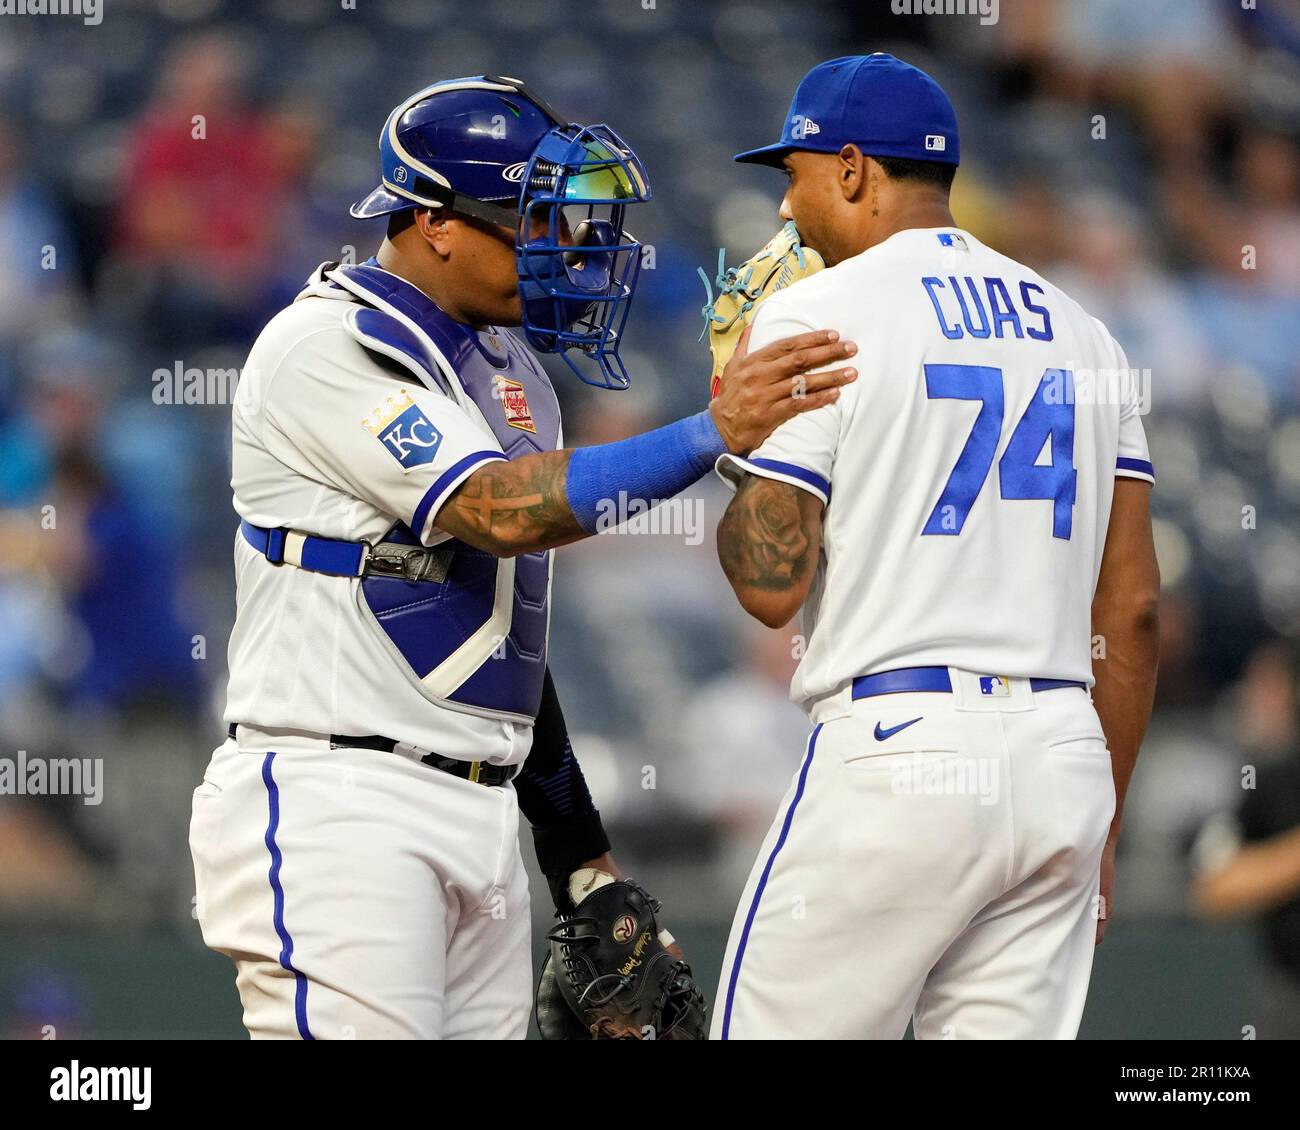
{"points": [[474, 637]]}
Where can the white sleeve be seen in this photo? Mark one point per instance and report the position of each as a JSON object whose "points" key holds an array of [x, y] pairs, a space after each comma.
{"points": [[801, 451], [1133, 460], [391, 442]]}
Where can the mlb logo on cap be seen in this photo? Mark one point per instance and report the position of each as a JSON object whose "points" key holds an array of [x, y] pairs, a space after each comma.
{"points": [[936, 142]]}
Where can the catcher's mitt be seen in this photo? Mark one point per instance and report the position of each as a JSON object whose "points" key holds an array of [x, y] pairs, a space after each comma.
{"points": [[609, 976], [783, 261]]}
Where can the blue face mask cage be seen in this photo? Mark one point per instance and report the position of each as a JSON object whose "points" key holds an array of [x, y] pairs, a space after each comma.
{"points": [[576, 282]]}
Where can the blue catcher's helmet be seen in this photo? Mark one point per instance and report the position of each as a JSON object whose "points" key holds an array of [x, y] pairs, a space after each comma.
{"points": [[488, 147]]}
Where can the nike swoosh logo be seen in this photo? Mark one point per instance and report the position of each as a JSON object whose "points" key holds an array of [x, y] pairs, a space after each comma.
{"points": [[881, 735]]}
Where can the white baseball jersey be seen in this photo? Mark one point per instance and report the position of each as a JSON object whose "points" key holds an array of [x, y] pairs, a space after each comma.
{"points": [[968, 475], [362, 893], [326, 441], [968, 472]]}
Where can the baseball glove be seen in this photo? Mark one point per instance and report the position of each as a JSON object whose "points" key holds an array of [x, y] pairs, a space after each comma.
{"points": [[783, 261], [609, 976]]}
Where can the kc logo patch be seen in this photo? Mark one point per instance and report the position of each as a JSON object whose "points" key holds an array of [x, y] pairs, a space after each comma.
{"points": [[402, 427], [514, 401]]}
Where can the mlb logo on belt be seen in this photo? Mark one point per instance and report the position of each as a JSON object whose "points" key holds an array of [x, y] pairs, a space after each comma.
{"points": [[996, 686], [406, 433], [514, 401]]}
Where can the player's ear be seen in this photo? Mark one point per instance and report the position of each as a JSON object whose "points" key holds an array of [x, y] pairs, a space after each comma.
{"points": [[852, 171], [434, 228]]}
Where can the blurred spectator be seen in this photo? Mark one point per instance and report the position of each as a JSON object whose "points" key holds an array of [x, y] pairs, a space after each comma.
{"points": [[743, 740], [45, 1006], [115, 569], [1111, 272], [1171, 62], [44, 870], [36, 248], [1268, 168], [120, 583], [1251, 863], [207, 178]]}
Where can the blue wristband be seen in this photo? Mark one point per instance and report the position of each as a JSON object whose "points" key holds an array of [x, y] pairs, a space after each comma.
{"points": [[649, 468]]}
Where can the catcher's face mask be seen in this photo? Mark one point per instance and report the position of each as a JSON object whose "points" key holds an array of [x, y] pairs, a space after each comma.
{"points": [[576, 292], [489, 147]]}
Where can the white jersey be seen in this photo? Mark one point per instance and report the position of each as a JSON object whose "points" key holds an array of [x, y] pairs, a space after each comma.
{"points": [[968, 472], [327, 442]]}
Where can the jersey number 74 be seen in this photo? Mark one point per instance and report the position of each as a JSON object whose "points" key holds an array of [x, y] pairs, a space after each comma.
{"points": [[1049, 416]]}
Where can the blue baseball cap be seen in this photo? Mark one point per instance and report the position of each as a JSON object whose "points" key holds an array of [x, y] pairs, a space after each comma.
{"points": [[884, 106]]}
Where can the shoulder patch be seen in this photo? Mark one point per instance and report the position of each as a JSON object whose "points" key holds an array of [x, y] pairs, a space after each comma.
{"points": [[405, 431]]}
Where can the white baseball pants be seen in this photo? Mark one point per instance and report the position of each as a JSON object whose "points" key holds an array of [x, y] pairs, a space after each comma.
{"points": [[947, 871], [362, 895]]}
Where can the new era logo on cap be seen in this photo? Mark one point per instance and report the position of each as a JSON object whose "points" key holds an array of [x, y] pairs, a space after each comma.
{"points": [[936, 142], [801, 127]]}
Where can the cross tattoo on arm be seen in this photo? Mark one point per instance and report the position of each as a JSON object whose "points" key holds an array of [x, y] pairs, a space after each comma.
{"points": [[515, 506]]}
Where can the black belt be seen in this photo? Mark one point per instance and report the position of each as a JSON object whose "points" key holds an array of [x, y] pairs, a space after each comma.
{"points": [[479, 772]]}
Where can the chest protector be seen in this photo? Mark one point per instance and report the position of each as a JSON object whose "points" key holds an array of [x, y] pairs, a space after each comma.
{"points": [[472, 631]]}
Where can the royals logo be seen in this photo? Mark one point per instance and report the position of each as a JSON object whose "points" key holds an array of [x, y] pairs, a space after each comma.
{"points": [[402, 427], [514, 402]]}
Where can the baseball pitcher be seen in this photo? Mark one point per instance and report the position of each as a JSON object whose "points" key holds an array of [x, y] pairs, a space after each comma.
{"points": [[967, 531]]}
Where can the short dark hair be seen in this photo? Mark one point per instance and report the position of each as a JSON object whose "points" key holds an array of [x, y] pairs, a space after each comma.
{"points": [[927, 172]]}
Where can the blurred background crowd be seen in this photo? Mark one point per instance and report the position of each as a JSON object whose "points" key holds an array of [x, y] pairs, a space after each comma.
{"points": [[1142, 155]]}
